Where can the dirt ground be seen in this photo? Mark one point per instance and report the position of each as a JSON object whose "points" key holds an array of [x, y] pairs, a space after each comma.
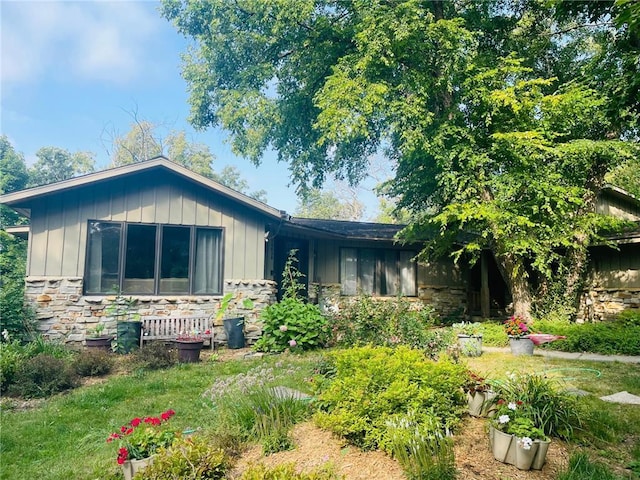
{"points": [[474, 461]]}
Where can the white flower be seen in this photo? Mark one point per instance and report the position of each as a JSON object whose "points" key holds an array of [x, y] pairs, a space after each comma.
{"points": [[526, 443], [511, 406], [504, 419]]}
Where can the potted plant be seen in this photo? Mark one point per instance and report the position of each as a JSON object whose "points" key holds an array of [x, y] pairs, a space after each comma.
{"points": [[128, 325], [189, 346], [518, 332], [469, 338], [479, 394], [140, 439], [98, 339]]}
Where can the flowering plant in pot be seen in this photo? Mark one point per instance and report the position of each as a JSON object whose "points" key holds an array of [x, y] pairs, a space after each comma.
{"points": [[142, 437], [194, 336], [516, 327], [479, 392]]}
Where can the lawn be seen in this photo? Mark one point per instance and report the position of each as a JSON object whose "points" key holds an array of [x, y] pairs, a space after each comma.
{"points": [[64, 436]]}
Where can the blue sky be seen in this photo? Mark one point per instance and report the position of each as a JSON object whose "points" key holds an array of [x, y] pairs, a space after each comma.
{"points": [[72, 73]]}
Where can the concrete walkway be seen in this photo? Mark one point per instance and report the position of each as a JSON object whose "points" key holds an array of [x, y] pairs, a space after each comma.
{"points": [[594, 357]]}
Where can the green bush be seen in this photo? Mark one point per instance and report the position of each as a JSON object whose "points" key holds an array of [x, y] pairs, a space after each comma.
{"points": [[392, 321], [42, 376], [155, 356], [93, 362], [374, 384], [189, 459], [12, 354], [292, 324], [493, 335], [620, 337], [287, 472]]}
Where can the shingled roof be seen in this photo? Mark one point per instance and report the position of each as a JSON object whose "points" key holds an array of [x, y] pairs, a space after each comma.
{"points": [[346, 229]]}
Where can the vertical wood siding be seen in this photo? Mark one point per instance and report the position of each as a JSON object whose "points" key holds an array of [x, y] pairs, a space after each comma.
{"points": [[59, 223], [616, 269]]}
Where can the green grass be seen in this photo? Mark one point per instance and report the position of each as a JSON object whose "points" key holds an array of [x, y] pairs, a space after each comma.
{"points": [[65, 437]]}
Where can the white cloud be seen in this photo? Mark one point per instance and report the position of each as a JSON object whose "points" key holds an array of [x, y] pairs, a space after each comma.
{"points": [[105, 41]]}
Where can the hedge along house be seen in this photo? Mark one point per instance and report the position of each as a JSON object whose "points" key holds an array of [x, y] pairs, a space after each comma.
{"points": [[177, 242]]}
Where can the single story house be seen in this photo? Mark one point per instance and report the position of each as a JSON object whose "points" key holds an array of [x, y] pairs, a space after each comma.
{"points": [[177, 242]]}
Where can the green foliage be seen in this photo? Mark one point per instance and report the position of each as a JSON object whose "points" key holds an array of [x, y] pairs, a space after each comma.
{"points": [[41, 376], [93, 362], [539, 402], [327, 205], [12, 354], [292, 323], [372, 384], [421, 449], [620, 337], [57, 164], [155, 356], [366, 320], [287, 471], [190, 458], [582, 468]]}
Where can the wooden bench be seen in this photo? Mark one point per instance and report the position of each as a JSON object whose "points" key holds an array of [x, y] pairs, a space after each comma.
{"points": [[170, 328]]}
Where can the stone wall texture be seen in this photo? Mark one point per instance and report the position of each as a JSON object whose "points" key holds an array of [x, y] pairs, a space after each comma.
{"points": [[600, 304], [64, 313]]}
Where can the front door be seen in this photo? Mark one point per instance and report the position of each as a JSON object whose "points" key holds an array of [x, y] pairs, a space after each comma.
{"points": [[284, 245]]}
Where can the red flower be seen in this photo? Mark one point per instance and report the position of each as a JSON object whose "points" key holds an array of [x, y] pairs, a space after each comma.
{"points": [[123, 455], [208, 332], [135, 422], [129, 431], [165, 416], [123, 428]]}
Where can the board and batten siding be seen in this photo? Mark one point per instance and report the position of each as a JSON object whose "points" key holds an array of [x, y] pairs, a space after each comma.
{"points": [[58, 235], [613, 269], [327, 265]]}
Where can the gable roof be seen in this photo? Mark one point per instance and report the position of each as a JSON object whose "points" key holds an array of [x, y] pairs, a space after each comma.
{"points": [[20, 199]]}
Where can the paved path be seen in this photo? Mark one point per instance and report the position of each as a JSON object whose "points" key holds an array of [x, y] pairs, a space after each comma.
{"points": [[595, 357]]}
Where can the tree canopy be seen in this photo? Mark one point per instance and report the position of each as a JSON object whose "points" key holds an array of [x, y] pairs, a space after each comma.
{"points": [[503, 117]]}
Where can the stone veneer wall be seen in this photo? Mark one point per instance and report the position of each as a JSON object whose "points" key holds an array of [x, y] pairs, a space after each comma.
{"points": [[63, 313], [447, 301], [605, 303]]}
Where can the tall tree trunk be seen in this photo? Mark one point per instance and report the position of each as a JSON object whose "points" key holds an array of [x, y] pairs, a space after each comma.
{"points": [[517, 280]]}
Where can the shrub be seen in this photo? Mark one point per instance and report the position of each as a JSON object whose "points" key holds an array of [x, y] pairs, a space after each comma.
{"points": [[287, 471], [54, 348], [94, 362], [12, 354], [292, 324], [188, 458], [494, 335], [42, 376], [372, 384], [365, 320], [155, 356]]}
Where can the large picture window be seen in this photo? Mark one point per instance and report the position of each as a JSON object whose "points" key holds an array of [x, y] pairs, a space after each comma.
{"points": [[377, 272], [149, 259]]}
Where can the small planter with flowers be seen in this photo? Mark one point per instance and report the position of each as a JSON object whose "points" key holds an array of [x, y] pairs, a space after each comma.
{"points": [[518, 332]]}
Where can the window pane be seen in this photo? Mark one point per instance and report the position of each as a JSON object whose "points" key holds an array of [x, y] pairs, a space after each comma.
{"points": [[366, 274], [103, 257], [349, 271], [408, 274], [174, 260], [139, 271], [208, 275], [389, 282]]}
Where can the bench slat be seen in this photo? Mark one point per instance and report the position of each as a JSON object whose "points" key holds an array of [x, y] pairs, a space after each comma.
{"points": [[169, 328]]}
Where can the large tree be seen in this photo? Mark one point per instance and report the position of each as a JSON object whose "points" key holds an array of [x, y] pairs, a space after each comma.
{"points": [[487, 108], [56, 164]]}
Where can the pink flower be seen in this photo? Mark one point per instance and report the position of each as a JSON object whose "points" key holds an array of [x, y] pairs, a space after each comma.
{"points": [[292, 343], [283, 328], [135, 422]]}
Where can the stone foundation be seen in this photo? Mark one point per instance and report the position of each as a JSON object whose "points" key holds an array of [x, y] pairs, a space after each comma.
{"points": [[63, 313], [600, 304], [447, 301]]}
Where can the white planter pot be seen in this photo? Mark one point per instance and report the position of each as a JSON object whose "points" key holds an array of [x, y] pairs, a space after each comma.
{"points": [[521, 346], [478, 403], [525, 457], [470, 345]]}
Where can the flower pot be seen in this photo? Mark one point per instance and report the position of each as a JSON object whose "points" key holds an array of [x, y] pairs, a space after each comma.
{"points": [[128, 336], [521, 346], [470, 345], [477, 403], [189, 351], [234, 329], [99, 343], [524, 455], [541, 454], [133, 466], [503, 445]]}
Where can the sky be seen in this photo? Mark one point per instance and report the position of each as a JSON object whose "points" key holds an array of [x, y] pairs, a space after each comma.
{"points": [[72, 74]]}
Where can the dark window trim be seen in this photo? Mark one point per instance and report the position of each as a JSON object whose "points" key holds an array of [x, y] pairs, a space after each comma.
{"points": [[158, 257], [376, 273]]}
